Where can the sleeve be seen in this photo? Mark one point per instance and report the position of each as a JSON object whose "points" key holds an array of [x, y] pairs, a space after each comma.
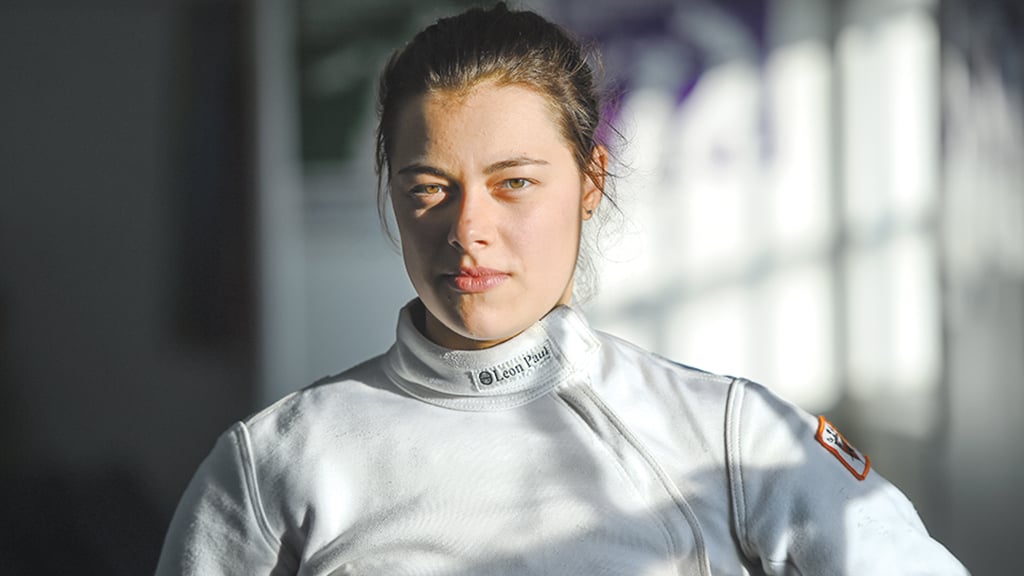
{"points": [[805, 501], [219, 527]]}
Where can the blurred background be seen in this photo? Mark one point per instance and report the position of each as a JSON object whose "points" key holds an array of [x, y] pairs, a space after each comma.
{"points": [[826, 196]]}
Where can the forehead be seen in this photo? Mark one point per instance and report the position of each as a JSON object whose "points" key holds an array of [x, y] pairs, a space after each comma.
{"points": [[487, 119]]}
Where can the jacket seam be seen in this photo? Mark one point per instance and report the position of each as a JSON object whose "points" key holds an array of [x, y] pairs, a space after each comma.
{"points": [[244, 443], [734, 462], [663, 478], [589, 424]]}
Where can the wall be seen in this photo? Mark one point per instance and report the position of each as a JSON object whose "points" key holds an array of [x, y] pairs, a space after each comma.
{"points": [[124, 342]]}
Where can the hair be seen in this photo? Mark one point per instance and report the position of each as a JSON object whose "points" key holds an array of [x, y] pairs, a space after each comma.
{"points": [[508, 48]]}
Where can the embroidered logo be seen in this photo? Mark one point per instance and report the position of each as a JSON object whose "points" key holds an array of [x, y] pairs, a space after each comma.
{"points": [[856, 462], [510, 369]]}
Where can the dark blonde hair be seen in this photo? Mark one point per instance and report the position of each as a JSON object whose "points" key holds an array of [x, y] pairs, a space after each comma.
{"points": [[502, 46]]}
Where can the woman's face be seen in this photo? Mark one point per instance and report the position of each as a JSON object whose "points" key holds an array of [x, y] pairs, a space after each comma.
{"points": [[489, 203]]}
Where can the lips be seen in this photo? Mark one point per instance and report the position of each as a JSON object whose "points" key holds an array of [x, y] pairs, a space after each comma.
{"points": [[472, 280]]}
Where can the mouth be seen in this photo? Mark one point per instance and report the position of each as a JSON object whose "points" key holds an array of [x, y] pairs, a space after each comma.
{"points": [[473, 280]]}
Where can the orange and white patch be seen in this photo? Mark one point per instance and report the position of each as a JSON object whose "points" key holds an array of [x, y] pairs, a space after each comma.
{"points": [[856, 462]]}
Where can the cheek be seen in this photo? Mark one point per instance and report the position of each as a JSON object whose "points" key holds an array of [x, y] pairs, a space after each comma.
{"points": [[424, 246], [552, 237], [413, 241]]}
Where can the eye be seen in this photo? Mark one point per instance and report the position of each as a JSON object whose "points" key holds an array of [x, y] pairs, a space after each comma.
{"points": [[516, 183], [427, 189]]}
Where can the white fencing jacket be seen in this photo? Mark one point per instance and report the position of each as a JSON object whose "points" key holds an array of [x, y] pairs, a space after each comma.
{"points": [[563, 451]]}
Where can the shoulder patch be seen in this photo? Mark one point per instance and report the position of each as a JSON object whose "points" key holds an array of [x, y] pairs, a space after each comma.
{"points": [[856, 462]]}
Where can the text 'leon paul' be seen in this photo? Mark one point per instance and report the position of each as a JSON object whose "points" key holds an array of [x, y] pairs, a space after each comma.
{"points": [[516, 367]]}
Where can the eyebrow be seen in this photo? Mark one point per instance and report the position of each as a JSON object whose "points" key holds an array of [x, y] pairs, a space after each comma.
{"points": [[513, 163], [417, 168]]}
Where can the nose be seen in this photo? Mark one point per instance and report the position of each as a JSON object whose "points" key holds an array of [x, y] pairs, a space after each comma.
{"points": [[473, 223]]}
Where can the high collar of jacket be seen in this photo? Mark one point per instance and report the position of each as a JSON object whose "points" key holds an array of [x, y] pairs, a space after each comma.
{"points": [[508, 375]]}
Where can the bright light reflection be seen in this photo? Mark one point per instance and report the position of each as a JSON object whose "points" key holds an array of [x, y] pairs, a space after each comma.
{"points": [[890, 119], [713, 333], [802, 345], [911, 44], [729, 265], [890, 71], [629, 267], [893, 318], [715, 139], [800, 166], [915, 322]]}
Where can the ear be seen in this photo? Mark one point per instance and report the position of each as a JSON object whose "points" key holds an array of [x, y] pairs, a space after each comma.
{"points": [[593, 187]]}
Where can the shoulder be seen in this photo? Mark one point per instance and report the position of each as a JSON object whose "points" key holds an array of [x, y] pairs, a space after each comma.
{"points": [[328, 401], [805, 496], [328, 431], [336, 418], [663, 399], [631, 365], [765, 431], [678, 383]]}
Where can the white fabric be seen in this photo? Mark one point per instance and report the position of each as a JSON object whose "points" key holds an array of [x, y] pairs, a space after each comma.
{"points": [[563, 451]]}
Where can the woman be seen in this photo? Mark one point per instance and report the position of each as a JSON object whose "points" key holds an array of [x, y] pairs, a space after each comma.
{"points": [[500, 434]]}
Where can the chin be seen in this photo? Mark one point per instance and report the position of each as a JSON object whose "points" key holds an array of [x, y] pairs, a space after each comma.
{"points": [[487, 330], [478, 329], [482, 322]]}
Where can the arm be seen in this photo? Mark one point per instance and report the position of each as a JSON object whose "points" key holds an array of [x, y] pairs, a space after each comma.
{"points": [[219, 527], [805, 501]]}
